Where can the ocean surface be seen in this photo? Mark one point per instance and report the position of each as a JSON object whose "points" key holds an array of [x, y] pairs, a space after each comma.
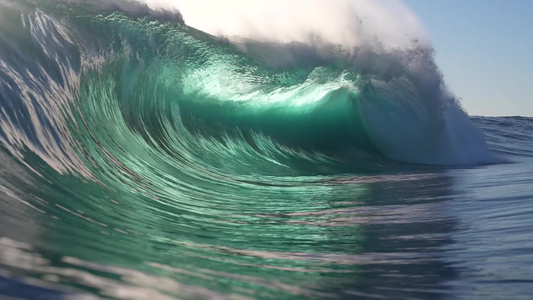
{"points": [[144, 159]]}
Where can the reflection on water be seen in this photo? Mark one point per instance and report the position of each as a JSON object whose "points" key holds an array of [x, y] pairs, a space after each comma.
{"points": [[353, 236], [493, 245]]}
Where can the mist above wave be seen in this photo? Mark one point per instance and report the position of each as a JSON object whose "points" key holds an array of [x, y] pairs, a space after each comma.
{"points": [[346, 23]]}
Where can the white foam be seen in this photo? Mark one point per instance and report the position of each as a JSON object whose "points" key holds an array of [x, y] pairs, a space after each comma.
{"points": [[349, 23]]}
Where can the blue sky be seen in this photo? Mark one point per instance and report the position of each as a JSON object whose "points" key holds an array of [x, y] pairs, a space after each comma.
{"points": [[484, 48]]}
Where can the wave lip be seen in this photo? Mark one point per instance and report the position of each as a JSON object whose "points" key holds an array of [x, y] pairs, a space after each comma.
{"points": [[130, 8]]}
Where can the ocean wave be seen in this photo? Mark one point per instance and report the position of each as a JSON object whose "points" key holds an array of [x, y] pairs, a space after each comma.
{"points": [[141, 157], [109, 83]]}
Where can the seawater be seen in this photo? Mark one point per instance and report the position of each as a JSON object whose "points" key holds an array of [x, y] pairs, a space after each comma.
{"points": [[143, 159]]}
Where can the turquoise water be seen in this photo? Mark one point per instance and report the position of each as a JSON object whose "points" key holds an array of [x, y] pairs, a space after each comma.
{"points": [[144, 159]]}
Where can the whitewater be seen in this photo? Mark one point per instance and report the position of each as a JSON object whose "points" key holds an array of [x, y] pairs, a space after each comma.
{"points": [[249, 150]]}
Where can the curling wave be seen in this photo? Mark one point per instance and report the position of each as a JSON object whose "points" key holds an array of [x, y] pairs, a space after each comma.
{"points": [[88, 87]]}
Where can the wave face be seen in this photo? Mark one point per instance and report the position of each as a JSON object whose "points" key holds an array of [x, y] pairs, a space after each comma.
{"points": [[140, 78], [118, 120]]}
